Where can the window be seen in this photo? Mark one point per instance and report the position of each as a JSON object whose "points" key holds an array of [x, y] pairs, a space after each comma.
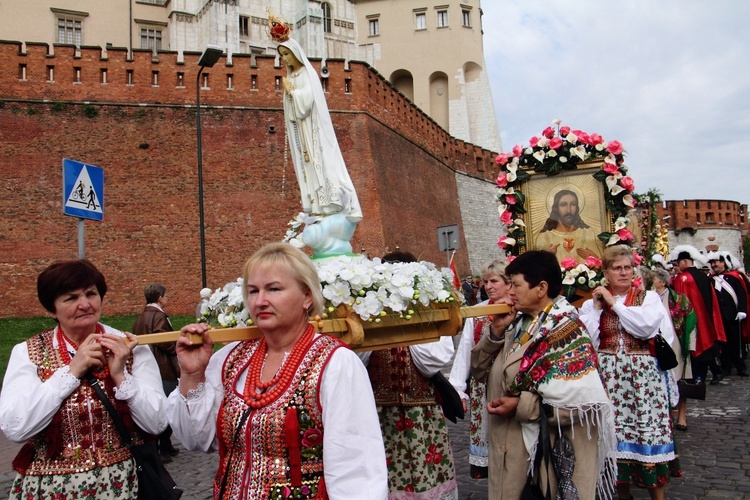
{"points": [[151, 39], [420, 20], [326, 16], [466, 18], [374, 27], [181, 79], [69, 31], [244, 26], [442, 18]]}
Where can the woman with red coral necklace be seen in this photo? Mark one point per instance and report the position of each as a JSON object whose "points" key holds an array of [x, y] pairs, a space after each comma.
{"points": [[292, 413], [73, 448]]}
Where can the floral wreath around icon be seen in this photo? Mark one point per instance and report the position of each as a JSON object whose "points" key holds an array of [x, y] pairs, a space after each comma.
{"points": [[561, 149]]}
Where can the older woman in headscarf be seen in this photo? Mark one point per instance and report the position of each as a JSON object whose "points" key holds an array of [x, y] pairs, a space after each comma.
{"points": [[684, 320]]}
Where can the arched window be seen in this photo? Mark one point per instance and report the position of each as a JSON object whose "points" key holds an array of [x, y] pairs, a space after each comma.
{"points": [[326, 16]]}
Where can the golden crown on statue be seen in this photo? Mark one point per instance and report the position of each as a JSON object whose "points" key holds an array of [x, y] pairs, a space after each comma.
{"points": [[278, 28]]}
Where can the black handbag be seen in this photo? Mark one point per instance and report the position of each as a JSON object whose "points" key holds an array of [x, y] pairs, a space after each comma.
{"points": [[447, 397], [154, 480], [532, 490], [664, 353], [692, 388]]}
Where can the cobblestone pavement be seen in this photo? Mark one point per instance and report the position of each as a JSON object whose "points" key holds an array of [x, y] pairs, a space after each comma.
{"points": [[714, 453]]}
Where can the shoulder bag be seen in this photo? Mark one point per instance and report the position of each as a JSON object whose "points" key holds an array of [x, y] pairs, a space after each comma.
{"points": [[447, 397], [154, 481], [665, 356], [532, 490]]}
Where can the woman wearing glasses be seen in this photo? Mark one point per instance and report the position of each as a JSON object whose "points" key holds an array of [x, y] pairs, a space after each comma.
{"points": [[622, 319]]}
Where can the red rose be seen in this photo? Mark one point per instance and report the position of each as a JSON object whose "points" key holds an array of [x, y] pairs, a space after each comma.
{"points": [[534, 141], [628, 184], [502, 180], [614, 147], [548, 132], [564, 130], [517, 150], [555, 143]]}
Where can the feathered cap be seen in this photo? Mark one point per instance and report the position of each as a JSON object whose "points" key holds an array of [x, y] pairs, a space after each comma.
{"points": [[686, 252], [278, 28], [657, 260], [730, 260]]}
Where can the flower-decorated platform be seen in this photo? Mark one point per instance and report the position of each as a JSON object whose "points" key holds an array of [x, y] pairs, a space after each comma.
{"points": [[425, 325]]}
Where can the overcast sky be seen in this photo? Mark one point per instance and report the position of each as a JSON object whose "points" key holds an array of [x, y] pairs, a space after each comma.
{"points": [[669, 79]]}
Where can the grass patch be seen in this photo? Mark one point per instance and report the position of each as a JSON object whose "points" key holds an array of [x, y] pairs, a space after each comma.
{"points": [[16, 330]]}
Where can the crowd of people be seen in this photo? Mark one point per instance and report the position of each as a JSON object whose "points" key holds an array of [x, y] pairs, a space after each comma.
{"points": [[571, 402]]}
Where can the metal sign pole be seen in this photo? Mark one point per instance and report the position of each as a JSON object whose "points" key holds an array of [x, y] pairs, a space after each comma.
{"points": [[81, 234]]}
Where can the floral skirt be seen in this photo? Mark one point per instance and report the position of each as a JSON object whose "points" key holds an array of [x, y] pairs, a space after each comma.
{"points": [[645, 444], [479, 450], [418, 453], [115, 482]]}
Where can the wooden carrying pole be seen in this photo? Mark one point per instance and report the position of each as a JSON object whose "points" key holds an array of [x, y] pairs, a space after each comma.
{"points": [[426, 325]]}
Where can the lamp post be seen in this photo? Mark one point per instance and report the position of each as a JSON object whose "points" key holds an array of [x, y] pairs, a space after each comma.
{"points": [[209, 57]]}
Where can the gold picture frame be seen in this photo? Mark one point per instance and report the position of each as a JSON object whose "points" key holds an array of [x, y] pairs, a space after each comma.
{"points": [[579, 238]]}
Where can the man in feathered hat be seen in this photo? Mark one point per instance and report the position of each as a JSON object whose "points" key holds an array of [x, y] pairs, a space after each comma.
{"points": [[699, 289], [731, 291]]}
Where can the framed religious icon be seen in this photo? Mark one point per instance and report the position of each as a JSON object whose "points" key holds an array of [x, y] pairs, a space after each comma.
{"points": [[565, 213]]}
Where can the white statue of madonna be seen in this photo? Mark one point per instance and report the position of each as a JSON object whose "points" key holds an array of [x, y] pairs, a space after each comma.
{"points": [[326, 188]]}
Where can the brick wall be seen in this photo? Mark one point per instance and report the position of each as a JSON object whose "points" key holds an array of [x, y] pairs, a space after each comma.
{"points": [[403, 165]]}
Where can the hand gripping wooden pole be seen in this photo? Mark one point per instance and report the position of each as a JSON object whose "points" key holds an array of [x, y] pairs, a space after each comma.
{"points": [[425, 325]]}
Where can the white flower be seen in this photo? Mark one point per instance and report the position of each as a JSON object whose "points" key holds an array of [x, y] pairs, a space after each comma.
{"points": [[581, 280], [571, 138], [519, 222], [614, 239], [600, 147], [206, 293], [551, 153], [617, 189], [569, 279], [592, 284], [528, 150], [611, 180], [628, 200], [563, 159], [621, 223], [610, 158], [556, 121], [539, 155], [579, 151]]}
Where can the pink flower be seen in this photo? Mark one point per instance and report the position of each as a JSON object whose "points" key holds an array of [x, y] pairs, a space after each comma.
{"points": [[502, 159], [637, 282], [510, 199], [312, 437], [595, 139], [534, 141], [637, 259], [568, 263], [592, 262], [511, 258], [628, 184], [610, 168], [525, 363], [565, 130], [555, 143], [625, 235], [502, 180], [548, 132], [583, 137], [614, 147], [517, 150], [507, 218]]}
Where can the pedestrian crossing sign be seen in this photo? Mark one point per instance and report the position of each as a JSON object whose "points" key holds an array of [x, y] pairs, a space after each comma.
{"points": [[83, 190]]}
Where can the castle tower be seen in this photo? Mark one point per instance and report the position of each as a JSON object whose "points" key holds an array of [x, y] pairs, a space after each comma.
{"points": [[435, 56]]}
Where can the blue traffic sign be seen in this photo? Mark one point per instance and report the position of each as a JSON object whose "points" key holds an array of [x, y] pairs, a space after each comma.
{"points": [[83, 190]]}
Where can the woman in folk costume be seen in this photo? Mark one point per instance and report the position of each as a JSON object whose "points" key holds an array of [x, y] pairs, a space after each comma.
{"points": [[417, 445], [622, 319], [474, 397], [292, 413], [321, 172], [544, 352], [684, 321], [73, 449]]}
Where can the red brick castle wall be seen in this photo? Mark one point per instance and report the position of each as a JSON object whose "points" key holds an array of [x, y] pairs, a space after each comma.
{"points": [[133, 119]]}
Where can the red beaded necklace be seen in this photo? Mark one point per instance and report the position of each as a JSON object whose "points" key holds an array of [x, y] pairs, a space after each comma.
{"points": [[256, 394], [65, 355]]}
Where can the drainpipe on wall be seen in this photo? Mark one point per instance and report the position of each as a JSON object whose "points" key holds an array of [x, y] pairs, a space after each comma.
{"points": [[130, 29]]}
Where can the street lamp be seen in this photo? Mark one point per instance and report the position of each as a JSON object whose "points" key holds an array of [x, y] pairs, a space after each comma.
{"points": [[209, 57]]}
